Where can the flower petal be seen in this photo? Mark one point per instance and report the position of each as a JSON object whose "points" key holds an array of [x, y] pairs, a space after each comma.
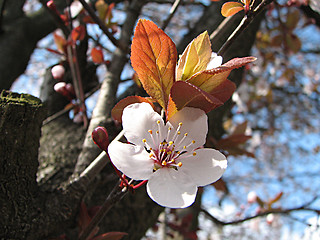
{"points": [[133, 161], [171, 188], [215, 61], [206, 167], [194, 122], [137, 120]]}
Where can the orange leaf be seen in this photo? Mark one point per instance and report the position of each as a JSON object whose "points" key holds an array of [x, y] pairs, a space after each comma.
{"points": [[97, 55], [60, 42], [153, 57], [117, 110], [231, 8], [78, 33]]}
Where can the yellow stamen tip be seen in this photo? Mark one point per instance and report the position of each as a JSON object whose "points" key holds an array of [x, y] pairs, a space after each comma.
{"points": [[186, 134], [164, 163], [150, 155], [157, 132], [194, 153], [179, 164], [150, 131], [180, 123], [158, 122], [144, 140], [193, 141], [178, 132], [170, 143], [184, 147]]}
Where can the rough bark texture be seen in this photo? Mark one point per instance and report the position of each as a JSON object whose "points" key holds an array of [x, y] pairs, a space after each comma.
{"points": [[20, 124]]}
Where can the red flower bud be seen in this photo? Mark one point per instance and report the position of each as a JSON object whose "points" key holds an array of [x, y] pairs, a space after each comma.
{"points": [[101, 138]]}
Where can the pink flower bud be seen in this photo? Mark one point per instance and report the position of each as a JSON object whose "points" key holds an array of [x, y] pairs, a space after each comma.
{"points": [[270, 218], [78, 118], [101, 138], [70, 89], [252, 197], [58, 72], [60, 87], [51, 5]]}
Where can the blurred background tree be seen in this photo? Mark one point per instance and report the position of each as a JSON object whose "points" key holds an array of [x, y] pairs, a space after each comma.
{"points": [[269, 129]]}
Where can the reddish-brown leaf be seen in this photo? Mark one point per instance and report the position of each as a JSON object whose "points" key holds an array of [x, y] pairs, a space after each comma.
{"points": [[232, 141], [97, 55], [221, 185], [185, 94], [231, 8], [154, 57], [85, 219], [117, 110], [110, 236]]}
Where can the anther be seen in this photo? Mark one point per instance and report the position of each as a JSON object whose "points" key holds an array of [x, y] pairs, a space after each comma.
{"points": [[164, 163], [179, 164], [150, 131], [144, 140], [158, 122], [194, 153]]}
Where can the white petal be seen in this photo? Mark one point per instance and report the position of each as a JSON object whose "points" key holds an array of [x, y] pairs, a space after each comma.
{"points": [[170, 188], [132, 160], [215, 61], [206, 167], [194, 122], [137, 120]]}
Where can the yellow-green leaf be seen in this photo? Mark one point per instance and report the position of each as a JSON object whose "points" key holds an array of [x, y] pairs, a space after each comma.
{"points": [[195, 57], [231, 8]]}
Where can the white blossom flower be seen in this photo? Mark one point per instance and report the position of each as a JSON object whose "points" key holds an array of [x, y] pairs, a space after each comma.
{"points": [[215, 61], [168, 155]]}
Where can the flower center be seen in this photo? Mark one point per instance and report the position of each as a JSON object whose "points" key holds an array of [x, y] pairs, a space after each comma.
{"points": [[168, 151]]}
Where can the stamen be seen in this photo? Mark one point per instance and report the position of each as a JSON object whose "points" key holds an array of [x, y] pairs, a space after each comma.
{"points": [[194, 153], [179, 164], [150, 131], [164, 163], [144, 140]]}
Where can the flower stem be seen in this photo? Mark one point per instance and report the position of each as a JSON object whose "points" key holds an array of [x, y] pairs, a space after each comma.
{"points": [[140, 184]]}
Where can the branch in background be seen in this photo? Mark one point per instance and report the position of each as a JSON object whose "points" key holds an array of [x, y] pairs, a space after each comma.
{"points": [[171, 13], [109, 87], [304, 207], [247, 19], [3, 4], [118, 43]]}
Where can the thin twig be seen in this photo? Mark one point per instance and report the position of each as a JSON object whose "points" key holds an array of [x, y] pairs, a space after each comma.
{"points": [[116, 195], [67, 109], [76, 79], [275, 211], [99, 163], [103, 27], [247, 19], [171, 13], [56, 16]]}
